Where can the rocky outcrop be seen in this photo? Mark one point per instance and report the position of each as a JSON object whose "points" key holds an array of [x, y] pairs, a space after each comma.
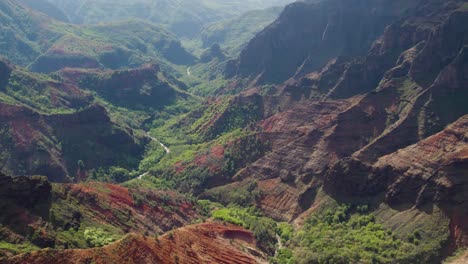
{"points": [[23, 191], [308, 35], [338, 131], [203, 243], [434, 171]]}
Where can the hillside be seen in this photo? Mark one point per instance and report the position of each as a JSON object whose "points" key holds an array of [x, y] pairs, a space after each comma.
{"points": [[45, 45], [38, 214], [204, 243], [318, 141], [184, 18], [233, 34], [317, 33], [338, 135], [53, 123]]}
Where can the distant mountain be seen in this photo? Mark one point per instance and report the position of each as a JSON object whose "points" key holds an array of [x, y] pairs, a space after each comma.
{"points": [[308, 34], [47, 8], [45, 45], [183, 17], [234, 34]]}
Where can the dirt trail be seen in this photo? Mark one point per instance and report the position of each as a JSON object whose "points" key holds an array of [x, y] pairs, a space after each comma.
{"points": [[160, 143]]}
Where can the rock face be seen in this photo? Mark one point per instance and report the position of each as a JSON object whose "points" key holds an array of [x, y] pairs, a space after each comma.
{"points": [[130, 210], [310, 34], [48, 126], [24, 192], [203, 243], [434, 171], [52, 145], [385, 121], [39, 213]]}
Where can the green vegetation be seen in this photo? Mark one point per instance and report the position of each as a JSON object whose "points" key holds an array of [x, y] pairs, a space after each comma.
{"points": [[263, 228], [42, 93], [285, 231], [346, 235], [181, 167], [96, 237], [284, 256], [112, 174], [17, 248], [244, 194], [233, 34], [45, 45], [185, 18]]}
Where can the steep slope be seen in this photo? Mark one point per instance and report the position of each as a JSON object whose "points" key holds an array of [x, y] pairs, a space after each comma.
{"points": [[144, 88], [32, 39], [400, 112], [47, 8], [434, 171], [49, 126], [330, 131], [60, 216], [317, 33], [204, 243], [53, 145], [234, 34]]}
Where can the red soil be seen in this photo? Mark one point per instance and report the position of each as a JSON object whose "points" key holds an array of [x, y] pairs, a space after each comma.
{"points": [[203, 243]]}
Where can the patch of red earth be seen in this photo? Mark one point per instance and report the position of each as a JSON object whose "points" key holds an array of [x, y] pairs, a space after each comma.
{"points": [[270, 124], [185, 207], [200, 160], [119, 195], [217, 151], [279, 200], [213, 161], [179, 167], [68, 88], [202, 243], [22, 132], [157, 212], [9, 110]]}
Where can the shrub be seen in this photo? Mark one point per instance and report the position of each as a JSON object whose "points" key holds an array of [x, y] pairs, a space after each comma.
{"points": [[97, 237], [336, 236]]}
